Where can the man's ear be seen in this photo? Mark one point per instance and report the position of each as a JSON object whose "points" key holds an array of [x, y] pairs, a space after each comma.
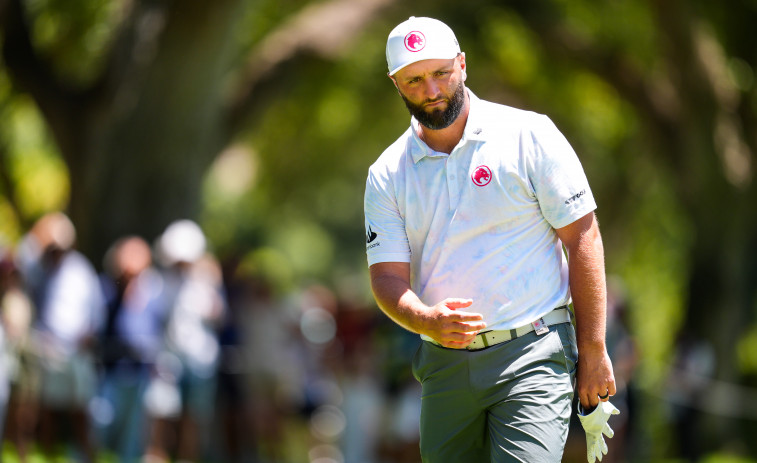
{"points": [[463, 66], [394, 81]]}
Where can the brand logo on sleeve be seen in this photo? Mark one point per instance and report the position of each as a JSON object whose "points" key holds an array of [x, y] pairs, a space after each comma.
{"points": [[415, 41], [481, 176], [370, 236], [575, 197]]}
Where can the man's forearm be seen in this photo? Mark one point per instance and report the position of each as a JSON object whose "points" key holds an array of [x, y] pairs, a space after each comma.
{"points": [[595, 379], [588, 290], [397, 300]]}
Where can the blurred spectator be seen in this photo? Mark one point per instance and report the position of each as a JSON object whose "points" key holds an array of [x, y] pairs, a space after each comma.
{"points": [[401, 436], [320, 353], [181, 396], [693, 368], [623, 352], [17, 313], [236, 441], [273, 365], [132, 338], [65, 289], [15, 317], [359, 378]]}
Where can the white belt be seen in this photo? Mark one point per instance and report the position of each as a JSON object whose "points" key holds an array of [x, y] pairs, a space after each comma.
{"points": [[490, 338]]}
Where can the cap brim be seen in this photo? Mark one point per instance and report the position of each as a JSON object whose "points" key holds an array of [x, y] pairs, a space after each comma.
{"points": [[403, 66]]}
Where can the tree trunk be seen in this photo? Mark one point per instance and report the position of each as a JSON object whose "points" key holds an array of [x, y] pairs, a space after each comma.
{"points": [[138, 141], [716, 185], [146, 150]]}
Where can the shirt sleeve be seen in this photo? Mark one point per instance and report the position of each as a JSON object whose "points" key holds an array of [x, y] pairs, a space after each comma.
{"points": [[557, 176], [386, 238]]}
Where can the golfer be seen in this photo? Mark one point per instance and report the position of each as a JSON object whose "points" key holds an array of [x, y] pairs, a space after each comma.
{"points": [[467, 214]]}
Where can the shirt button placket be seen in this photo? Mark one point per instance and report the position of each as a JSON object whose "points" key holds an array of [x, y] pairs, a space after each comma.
{"points": [[452, 187]]}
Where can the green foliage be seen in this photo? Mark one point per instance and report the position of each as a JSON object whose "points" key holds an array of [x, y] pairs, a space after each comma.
{"points": [[38, 177], [624, 25], [653, 262], [747, 352], [726, 458], [512, 43], [42, 180], [75, 34]]}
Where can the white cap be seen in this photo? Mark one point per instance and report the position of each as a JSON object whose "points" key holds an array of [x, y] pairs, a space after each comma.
{"points": [[417, 39], [182, 241]]}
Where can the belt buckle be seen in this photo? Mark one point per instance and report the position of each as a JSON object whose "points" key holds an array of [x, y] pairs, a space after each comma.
{"points": [[540, 327]]}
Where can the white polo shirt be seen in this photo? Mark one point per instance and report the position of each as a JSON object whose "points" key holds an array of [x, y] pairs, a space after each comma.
{"points": [[479, 223]]}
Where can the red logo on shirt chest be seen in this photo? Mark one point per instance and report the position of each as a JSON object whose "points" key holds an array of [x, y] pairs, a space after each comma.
{"points": [[481, 176]]}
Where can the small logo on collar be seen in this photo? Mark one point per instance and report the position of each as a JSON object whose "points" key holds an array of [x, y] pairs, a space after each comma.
{"points": [[481, 176], [477, 131]]}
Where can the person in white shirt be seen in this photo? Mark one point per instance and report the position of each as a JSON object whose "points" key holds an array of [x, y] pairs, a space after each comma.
{"points": [[466, 217], [70, 310]]}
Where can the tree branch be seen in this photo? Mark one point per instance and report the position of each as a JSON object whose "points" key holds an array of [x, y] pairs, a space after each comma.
{"points": [[131, 53], [324, 29]]}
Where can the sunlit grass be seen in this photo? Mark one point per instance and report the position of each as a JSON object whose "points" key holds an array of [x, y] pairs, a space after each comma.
{"points": [[723, 458], [9, 455]]}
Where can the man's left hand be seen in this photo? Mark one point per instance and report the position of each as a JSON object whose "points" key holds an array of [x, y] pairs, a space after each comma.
{"points": [[596, 381]]}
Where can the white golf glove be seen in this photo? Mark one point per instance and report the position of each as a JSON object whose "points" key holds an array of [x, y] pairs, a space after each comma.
{"points": [[595, 424]]}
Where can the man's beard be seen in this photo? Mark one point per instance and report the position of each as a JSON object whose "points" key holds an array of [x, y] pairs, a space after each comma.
{"points": [[438, 119]]}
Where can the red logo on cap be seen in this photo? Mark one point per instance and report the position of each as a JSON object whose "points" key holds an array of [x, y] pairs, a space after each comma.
{"points": [[481, 176], [415, 41]]}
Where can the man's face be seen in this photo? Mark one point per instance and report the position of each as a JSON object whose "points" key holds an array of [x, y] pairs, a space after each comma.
{"points": [[438, 117], [433, 90]]}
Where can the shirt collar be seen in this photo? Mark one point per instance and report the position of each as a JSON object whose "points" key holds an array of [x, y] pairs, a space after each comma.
{"points": [[474, 131]]}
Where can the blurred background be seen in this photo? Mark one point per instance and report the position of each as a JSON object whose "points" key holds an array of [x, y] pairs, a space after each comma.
{"points": [[181, 229]]}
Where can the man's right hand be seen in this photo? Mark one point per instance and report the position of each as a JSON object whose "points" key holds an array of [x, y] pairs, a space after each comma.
{"points": [[452, 327], [444, 322]]}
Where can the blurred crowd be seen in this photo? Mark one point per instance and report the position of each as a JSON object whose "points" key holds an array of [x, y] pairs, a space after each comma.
{"points": [[167, 354]]}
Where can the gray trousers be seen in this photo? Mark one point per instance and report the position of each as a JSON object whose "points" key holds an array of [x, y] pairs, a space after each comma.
{"points": [[507, 403]]}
